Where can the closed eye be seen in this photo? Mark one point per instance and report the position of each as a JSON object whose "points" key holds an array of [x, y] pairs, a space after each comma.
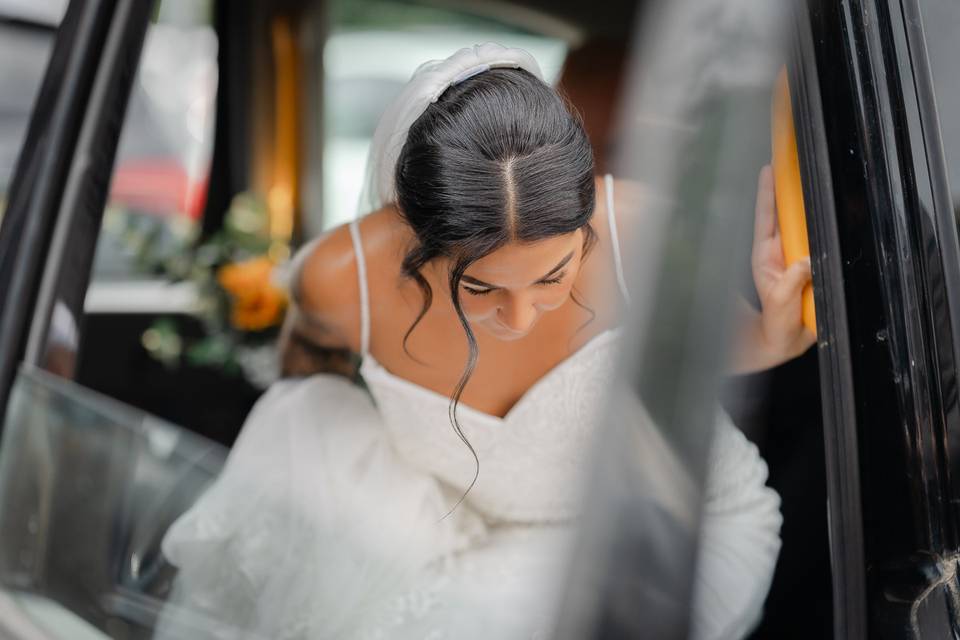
{"points": [[554, 280], [477, 292], [557, 279]]}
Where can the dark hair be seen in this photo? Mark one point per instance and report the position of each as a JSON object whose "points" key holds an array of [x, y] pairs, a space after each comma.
{"points": [[498, 158]]}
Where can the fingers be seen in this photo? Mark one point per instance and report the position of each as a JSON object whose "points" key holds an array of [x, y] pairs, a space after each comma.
{"points": [[784, 310], [790, 284], [765, 219], [767, 254]]}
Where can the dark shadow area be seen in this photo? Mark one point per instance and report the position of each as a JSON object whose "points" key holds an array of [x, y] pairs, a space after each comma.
{"points": [[780, 411], [206, 401]]}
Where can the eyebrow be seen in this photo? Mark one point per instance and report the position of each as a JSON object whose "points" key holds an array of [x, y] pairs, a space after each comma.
{"points": [[481, 283]]}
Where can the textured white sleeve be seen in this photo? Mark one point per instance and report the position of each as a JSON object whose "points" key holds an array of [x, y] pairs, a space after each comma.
{"points": [[739, 539]]}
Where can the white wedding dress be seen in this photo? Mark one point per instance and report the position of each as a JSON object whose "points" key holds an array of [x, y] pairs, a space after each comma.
{"points": [[329, 518]]}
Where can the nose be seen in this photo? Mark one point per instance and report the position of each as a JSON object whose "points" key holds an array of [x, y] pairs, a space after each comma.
{"points": [[518, 315]]}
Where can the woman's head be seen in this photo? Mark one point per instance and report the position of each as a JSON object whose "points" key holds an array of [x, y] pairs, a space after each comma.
{"points": [[496, 181]]}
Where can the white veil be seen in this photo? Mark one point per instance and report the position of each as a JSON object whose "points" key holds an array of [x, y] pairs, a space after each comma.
{"points": [[426, 85]]}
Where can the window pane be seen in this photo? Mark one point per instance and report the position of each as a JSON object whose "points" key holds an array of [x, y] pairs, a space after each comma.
{"points": [[159, 185], [24, 51]]}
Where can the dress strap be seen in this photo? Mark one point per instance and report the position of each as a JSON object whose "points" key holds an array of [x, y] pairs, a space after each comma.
{"points": [[364, 293], [615, 239]]}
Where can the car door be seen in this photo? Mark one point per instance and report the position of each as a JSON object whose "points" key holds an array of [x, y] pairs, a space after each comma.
{"points": [[886, 259]]}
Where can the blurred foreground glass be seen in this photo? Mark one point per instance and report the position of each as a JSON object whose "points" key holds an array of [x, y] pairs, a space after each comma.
{"points": [[88, 487], [695, 133]]}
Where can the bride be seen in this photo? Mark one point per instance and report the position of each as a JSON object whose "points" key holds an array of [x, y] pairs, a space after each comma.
{"points": [[481, 299]]}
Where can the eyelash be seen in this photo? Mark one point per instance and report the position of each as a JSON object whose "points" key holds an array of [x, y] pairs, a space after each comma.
{"points": [[482, 292], [556, 279], [477, 292]]}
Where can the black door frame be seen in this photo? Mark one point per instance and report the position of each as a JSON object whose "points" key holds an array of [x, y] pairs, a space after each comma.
{"points": [[60, 185], [900, 266], [833, 337]]}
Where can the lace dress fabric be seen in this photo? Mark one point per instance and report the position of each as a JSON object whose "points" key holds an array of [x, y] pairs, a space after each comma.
{"points": [[530, 458], [331, 520]]}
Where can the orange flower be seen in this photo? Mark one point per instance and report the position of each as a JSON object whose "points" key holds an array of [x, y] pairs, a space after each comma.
{"points": [[257, 302]]}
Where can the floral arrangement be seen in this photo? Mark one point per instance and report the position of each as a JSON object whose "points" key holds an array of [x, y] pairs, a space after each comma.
{"points": [[256, 303], [238, 299]]}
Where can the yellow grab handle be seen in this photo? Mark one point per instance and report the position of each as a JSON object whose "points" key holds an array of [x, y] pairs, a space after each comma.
{"points": [[789, 190]]}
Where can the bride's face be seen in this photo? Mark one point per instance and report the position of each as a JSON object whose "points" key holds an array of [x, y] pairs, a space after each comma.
{"points": [[507, 291]]}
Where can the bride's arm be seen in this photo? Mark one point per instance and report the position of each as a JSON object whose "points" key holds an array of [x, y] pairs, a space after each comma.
{"points": [[316, 335], [739, 539], [302, 354]]}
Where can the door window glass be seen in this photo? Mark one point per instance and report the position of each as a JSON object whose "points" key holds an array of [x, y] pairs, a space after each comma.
{"points": [[26, 40], [159, 184], [88, 488]]}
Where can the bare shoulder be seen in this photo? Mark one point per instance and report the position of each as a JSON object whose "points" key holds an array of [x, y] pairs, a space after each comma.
{"points": [[328, 286]]}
